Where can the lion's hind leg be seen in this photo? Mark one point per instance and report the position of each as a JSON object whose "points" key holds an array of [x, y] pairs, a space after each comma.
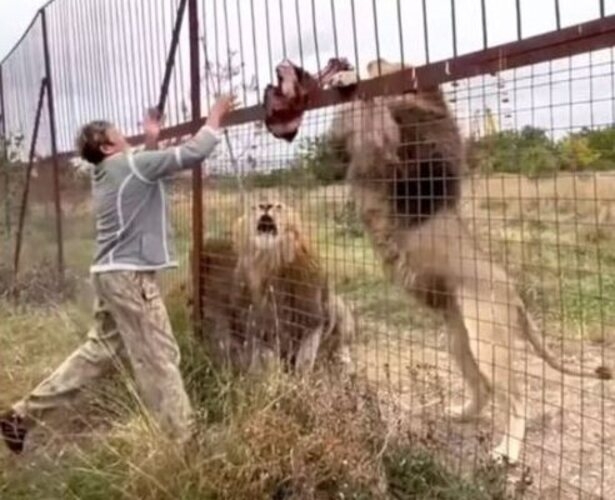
{"points": [[489, 323], [477, 385]]}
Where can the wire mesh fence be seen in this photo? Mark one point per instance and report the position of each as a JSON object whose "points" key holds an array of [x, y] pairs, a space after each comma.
{"points": [[530, 88]]}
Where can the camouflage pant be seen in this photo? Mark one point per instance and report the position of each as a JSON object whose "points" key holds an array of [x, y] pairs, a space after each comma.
{"points": [[130, 320]]}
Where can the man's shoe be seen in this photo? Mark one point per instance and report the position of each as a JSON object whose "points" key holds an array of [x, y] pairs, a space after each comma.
{"points": [[13, 431]]}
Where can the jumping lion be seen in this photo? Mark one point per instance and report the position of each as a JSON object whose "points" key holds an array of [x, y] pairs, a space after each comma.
{"points": [[406, 160]]}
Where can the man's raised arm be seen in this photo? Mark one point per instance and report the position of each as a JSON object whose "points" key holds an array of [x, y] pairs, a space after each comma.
{"points": [[152, 165]]}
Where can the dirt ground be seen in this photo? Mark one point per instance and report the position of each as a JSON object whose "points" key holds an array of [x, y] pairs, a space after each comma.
{"points": [[569, 450]]}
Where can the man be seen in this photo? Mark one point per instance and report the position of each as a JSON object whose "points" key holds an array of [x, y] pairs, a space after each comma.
{"points": [[134, 240]]}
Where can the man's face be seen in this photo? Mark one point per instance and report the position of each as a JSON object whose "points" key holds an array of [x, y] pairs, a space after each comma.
{"points": [[116, 142]]}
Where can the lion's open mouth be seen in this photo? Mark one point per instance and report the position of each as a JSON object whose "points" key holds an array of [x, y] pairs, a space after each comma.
{"points": [[266, 225]]}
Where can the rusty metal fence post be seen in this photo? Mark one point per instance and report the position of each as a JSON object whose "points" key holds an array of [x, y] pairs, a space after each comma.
{"points": [[26, 191], [54, 147], [170, 63], [4, 159], [197, 173]]}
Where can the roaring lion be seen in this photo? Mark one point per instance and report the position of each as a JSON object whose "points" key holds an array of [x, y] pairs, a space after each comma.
{"points": [[267, 295], [406, 160]]}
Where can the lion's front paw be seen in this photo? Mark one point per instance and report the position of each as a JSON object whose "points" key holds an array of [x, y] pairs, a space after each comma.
{"points": [[502, 456], [462, 413], [344, 79], [455, 412]]}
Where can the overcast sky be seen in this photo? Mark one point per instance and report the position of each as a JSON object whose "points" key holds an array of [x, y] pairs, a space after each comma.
{"points": [[15, 15], [108, 63]]}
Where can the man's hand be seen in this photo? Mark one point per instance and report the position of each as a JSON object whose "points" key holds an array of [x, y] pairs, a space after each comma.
{"points": [[152, 124], [221, 108]]}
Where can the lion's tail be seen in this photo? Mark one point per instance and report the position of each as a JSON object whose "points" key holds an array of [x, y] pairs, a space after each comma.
{"points": [[529, 331]]}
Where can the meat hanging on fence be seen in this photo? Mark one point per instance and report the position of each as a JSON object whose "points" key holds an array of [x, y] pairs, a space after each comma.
{"points": [[286, 102]]}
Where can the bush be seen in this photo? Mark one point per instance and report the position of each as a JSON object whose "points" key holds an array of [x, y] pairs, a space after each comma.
{"points": [[347, 221], [531, 152], [415, 473], [601, 141], [324, 159], [288, 177], [576, 153], [537, 160]]}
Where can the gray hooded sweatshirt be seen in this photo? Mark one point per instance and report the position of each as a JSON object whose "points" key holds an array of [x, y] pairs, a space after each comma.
{"points": [[133, 230]]}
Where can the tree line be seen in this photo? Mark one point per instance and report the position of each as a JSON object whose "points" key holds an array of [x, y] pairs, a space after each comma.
{"points": [[530, 151]]}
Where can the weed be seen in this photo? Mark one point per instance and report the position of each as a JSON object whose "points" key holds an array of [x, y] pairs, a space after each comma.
{"points": [[347, 222], [416, 473]]}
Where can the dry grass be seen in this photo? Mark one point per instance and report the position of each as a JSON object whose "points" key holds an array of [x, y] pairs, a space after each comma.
{"points": [[270, 436], [257, 436], [276, 439], [33, 341]]}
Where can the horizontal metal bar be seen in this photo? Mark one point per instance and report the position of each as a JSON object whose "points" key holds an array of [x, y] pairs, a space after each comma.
{"points": [[578, 39]]}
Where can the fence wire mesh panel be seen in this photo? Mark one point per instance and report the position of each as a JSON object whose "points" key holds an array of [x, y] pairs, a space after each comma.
{"points": [[439, 225], [108, 60], [28, 193]]}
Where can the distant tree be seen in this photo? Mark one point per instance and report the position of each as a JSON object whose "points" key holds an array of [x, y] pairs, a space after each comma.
{"points": [[324, 160], [529, 151], [494, 153], [534, 136]]}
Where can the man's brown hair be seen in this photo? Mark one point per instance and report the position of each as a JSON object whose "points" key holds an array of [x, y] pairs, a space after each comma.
{"points": [[92, 137]]}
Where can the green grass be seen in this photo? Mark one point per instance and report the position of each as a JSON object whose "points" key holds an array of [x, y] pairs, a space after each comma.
{"points": [[414, 472], [565, 272], [377, 301]]}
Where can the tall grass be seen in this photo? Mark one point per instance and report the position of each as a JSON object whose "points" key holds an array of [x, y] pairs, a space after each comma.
{"points": [[264, 436]]}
